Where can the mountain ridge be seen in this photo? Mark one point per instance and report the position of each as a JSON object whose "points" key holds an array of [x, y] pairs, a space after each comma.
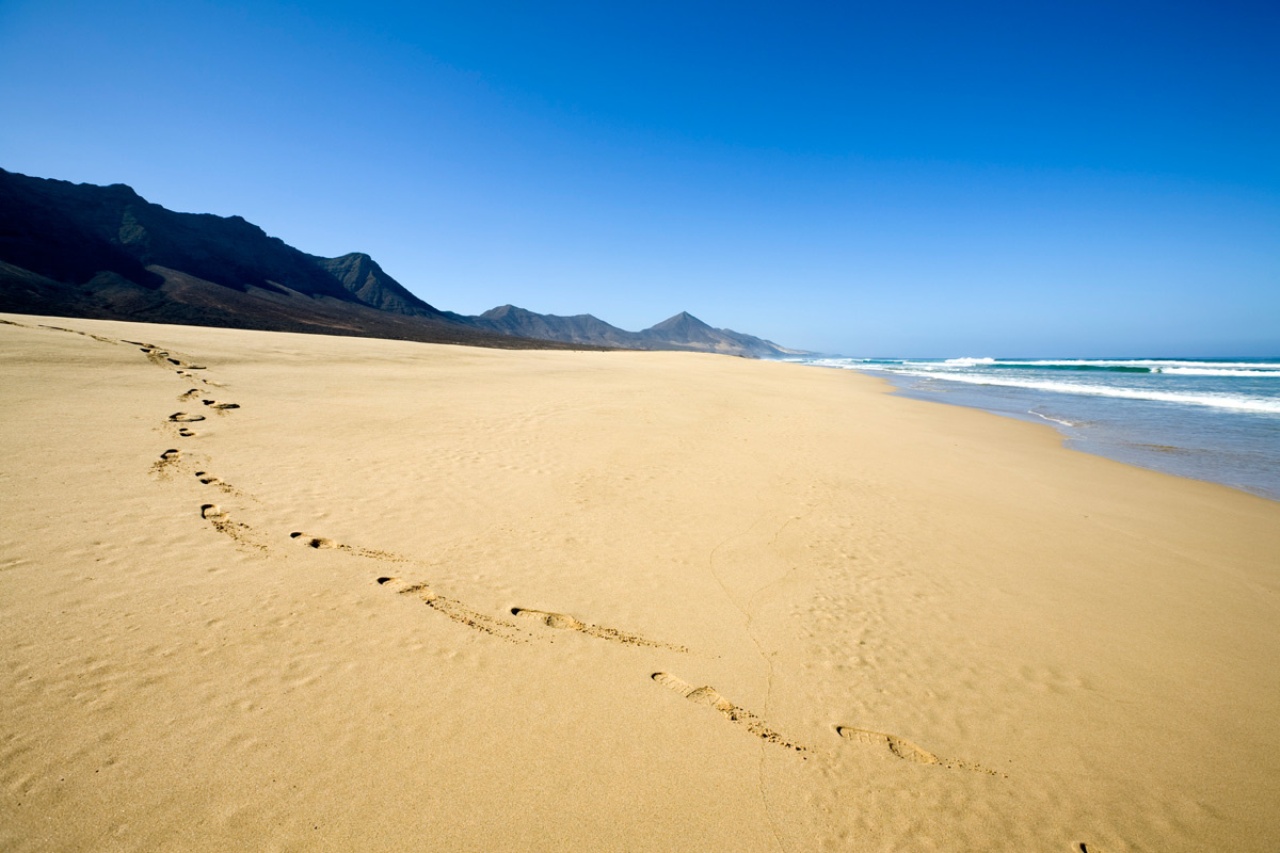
{"points": [[107, 252]]}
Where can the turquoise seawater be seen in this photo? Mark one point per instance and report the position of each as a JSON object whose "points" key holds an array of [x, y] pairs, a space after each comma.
{"points": [[1211, 419]]}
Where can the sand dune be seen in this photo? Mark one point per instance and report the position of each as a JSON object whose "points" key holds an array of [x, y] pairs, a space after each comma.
{"points": [[274, 591]]}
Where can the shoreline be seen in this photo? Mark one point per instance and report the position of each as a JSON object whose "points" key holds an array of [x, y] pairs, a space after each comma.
{"points": [[1229, 445], [343, 592], [1074, 439]]}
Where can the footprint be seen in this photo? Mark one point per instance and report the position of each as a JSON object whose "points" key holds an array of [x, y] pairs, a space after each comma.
{"points": [[906, 750], [97, 338], [167, 460], [210, 480], [566, 622], [322, 542], [314, 541], [551, 620], [184, 418], [457, 611], [223, 523], [214, 404], [194, 392], [184, 432], [741, 716]]}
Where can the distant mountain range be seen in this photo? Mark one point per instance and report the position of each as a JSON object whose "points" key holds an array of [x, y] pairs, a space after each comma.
{"points": [[84, 250]]}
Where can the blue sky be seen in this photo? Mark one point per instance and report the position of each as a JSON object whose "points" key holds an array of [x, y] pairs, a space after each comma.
{"points": [[917, 179]]}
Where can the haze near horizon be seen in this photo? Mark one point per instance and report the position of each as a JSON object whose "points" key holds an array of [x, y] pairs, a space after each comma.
{"points": [[932, 180]]}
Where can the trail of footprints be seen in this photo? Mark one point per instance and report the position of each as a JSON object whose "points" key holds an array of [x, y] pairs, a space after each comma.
{"points": [[455, 610], [472, 618], [219, 518]]}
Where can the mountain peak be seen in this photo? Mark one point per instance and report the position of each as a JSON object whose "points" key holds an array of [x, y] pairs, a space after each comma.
{"points": [[361, 276], [682, 321]]}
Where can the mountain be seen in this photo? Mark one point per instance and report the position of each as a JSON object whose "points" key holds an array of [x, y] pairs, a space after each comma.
{"points": [[681, 332], [361, 276], [578, 329], [688, 331], [106, 252]]}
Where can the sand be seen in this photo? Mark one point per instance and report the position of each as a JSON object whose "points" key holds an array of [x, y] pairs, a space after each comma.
{"points": [[272, 591]]}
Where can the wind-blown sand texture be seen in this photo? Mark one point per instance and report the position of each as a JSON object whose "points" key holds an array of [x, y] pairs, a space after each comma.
{"points": [[274, 591]]}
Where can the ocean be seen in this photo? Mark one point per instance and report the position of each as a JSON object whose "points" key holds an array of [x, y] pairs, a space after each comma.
{"points": [[1210, 419]]}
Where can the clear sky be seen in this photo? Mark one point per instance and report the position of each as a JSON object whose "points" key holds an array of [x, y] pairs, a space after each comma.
{"points": [[911, 179]]}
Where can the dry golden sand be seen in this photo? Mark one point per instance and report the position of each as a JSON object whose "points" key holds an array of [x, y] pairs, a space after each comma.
{"points": [[414, 597]]}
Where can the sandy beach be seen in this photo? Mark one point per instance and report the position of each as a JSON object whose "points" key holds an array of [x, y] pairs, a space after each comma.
{"points": [[283, 592]]}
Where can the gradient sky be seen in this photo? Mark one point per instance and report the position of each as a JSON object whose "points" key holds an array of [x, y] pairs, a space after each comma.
{"points": [[911, 179]]}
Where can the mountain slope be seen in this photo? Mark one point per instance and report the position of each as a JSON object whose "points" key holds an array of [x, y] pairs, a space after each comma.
{"points": [[681, 332], [686, 330], [361, 276], [106, 252], [580, 328]]}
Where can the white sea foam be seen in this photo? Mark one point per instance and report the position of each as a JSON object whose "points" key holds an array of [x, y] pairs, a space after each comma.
{"points": [[1047, 418], [967, 362], [1161, 363], [1155, 365], [1236, 402]]}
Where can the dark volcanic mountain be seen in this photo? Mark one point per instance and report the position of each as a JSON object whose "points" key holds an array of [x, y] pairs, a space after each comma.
{"points": [[580, 328], [681, 332], [105, 252], [686, 330], [88, 251]]}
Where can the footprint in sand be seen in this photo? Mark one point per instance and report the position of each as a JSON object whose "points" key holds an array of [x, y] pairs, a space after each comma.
{"points": [[457, 611], [320, 542], [194, 392], [185, 433], [566, 622], [97, 338], [223, 523], [734, 714], [314, 541], [154, 354], [906, 750], [214, 404], [184, 418], [210, 480], [167, 460]]}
